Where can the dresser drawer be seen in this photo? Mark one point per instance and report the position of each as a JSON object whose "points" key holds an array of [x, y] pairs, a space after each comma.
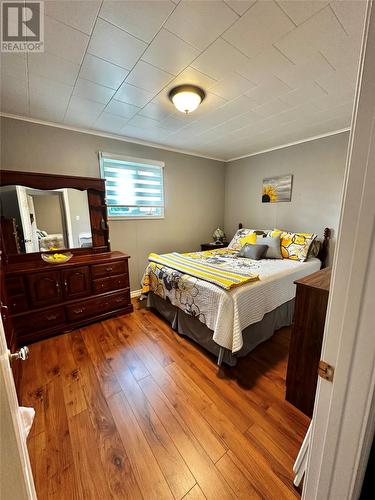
{"points": [[109, 269], [97, 306], [18, 304], [35, 321], [111, 283], [14, 285]]}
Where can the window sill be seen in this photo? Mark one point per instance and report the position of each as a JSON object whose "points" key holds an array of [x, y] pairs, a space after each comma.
{"points": [[112, 218]]}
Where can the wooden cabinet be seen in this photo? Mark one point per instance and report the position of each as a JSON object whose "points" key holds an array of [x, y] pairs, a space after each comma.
{"points": [[76, 282], [306, 339], [47, 299], [45, 288]]}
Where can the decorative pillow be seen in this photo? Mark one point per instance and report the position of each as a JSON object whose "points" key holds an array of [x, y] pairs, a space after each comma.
{"points": [[273, 246], [250, 239], [314, 249], [241, 233], [253, 251], [295, 246]]}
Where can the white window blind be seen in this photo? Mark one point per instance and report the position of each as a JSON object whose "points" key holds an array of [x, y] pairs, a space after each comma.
{"points": [[134, 187]]}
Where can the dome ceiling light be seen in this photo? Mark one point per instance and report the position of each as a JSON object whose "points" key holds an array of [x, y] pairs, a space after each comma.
{"points": [[187, 98]]}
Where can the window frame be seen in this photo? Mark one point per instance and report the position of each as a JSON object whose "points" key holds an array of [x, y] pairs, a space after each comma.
{"points": [[142, 161]]}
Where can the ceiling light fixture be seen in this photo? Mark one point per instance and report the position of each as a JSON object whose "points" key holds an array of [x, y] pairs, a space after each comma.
{"points": [[186, 98]]}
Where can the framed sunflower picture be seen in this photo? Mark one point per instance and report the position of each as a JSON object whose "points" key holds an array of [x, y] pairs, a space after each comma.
{"points": [[277, 189]]}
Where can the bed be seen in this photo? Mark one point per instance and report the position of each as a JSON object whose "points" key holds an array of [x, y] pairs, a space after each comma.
{"points": [[229, 323]]}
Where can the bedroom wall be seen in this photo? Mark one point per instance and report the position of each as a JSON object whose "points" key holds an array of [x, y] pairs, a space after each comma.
{"points": [[318, 174], [194, 186]]}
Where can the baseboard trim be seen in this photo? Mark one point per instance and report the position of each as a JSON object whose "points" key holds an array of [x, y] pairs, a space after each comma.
{"points": [[135, 293]]}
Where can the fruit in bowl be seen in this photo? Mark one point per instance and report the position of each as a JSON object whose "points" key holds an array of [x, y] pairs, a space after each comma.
{"points": [[56, 258]]}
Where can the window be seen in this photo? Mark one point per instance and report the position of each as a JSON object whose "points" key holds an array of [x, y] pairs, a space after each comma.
{"points": [[134, 187]]}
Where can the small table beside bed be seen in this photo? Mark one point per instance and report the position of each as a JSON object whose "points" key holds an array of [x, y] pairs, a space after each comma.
{"points": [[227, 302]]}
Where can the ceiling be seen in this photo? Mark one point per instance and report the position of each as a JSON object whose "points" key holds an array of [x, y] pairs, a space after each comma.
{"points": [[275, 72]]}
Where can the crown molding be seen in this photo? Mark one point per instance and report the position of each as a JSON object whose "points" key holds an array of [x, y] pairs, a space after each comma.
{"points": [[159, 146], [108, 135], [282, 146]]}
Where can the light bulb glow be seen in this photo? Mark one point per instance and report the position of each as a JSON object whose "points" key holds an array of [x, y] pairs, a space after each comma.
{"points": [[186, 98], [186, 102]]}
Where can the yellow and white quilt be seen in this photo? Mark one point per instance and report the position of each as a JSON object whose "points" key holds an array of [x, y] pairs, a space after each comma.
{"points": [[227, 312]]}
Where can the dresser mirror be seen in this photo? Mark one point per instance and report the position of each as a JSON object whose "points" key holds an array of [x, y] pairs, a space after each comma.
{"points": [[42, 220], [51, 213]]}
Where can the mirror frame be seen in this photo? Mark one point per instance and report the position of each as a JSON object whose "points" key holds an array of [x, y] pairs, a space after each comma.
{"points": [[95, 188]]}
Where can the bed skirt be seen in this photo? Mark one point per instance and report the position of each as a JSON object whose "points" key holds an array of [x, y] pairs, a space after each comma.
{"points": [[191, 327]]}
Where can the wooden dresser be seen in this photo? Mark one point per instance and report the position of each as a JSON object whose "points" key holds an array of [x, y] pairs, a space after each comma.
{"points": [[47, 299], [306, 339]]}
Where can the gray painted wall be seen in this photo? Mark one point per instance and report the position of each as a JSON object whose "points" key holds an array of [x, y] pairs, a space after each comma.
{"points": [[318, 174], [194, 187]]}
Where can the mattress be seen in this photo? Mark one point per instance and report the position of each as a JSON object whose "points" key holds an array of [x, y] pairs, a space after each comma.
{"points": [[228, 313]]}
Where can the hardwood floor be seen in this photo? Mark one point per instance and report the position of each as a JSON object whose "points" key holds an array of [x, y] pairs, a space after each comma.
{"points": [[126, 408]]}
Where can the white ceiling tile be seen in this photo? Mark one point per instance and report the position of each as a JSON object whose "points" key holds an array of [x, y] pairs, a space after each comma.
{"points": [[303, 94], [48, 99], [194, 77], [63, 41], [268, 90], [133, 95], [146, 134], [102, 72], [240, 6], [14, 99], [351, 14], [53, 67], [200, 23], [49, 90], [313, 35], [300, 11], [122, 109], [344, 55], [219, 59], [110, 123], [271, 108], [140, 18], [170, 53], [231, 86], [114, 45], [80, 14], [336, 83], [143, 122], [82, 112], [93, 91], [269, 62], [259, 27], [156, 111], [13, 65], [313, 67], [148, 77]]}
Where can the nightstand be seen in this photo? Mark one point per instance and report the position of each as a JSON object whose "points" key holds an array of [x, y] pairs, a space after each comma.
{"points": [[213, 245]]}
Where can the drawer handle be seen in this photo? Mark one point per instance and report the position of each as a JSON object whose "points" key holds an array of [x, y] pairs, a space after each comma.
{"points": [[52, 317], [109, 269], [79, 311], [120, 300], [57, 284]]}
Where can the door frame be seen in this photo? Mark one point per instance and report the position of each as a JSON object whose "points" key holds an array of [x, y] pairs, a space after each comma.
{"points": [[344, 414], [19, 478]]}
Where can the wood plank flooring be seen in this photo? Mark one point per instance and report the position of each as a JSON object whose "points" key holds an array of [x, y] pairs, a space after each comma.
{"points": [[128, 409]]}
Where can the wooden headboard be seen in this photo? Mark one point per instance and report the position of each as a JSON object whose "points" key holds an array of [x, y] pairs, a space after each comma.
{"points": [[323, 252]]}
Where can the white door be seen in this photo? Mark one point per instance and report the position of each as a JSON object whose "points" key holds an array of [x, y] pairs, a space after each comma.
{"points": [[16, 481], [343, 421], [25, 219]]}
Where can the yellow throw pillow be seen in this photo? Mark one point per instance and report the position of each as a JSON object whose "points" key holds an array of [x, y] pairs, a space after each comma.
{"points": [[294, 246], [249, 239]]}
